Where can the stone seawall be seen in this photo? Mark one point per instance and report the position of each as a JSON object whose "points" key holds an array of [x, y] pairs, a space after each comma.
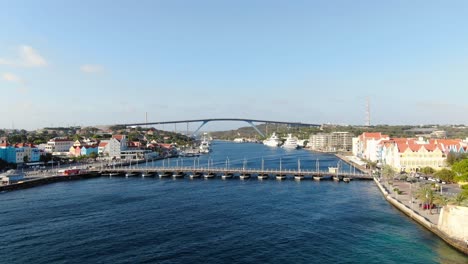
{"points": [[46, 180], [458, 244]]}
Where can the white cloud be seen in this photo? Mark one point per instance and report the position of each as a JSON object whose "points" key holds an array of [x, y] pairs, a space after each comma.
{"points": [[10, 77], [91, 68], [28, 57]]}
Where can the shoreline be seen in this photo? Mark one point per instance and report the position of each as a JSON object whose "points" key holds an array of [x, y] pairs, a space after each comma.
{"points": [[421, 220]]}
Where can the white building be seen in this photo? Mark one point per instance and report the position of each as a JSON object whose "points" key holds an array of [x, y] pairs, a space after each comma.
{"points": [[335, 141], [58, 145], [116, 145], [367, 146]]}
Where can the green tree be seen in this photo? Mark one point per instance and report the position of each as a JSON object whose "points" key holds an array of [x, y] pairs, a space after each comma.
{"points": [[427, 171], [445, 175], [460, 168], [93, 155], [459, 199], [427, 195], [25, 159], [388, 172]]}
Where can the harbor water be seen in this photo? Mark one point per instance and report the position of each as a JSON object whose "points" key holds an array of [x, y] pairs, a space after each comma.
{"points": [[152, 220]]}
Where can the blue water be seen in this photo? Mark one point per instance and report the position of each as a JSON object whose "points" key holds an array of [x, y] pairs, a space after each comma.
{"points": [[151, 220]]}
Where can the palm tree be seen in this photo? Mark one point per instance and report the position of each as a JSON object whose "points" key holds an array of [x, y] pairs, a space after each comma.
{"points": [[441, 201], [426, 194], [459, 199]]}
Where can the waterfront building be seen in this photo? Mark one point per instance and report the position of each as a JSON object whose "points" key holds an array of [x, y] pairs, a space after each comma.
{"points": [[411, 155], [14, 155], [368, 146], [31, 151], [87, 150], [102, 147], [116, 145], [58, 145], [318, 141], [74, 151]]}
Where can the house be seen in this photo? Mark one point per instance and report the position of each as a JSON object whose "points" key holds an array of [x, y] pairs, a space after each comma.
{"points": [[102, 147], [116, 145], [411, 155], [58, 145], [74, 151], [87, 150], [367, 145], [32, 153]]}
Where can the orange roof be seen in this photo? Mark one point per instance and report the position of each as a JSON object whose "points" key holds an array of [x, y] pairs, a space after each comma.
{"points": [[103, 144], [118, 137], [374, 135]]}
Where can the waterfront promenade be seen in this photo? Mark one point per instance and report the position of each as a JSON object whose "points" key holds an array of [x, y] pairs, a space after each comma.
{"points": [[406, 203]]}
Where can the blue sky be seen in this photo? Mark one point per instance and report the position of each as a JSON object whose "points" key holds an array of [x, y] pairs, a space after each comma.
{"points": [[107, 62]]}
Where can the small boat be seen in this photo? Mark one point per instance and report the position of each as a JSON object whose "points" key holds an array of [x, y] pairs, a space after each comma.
{"points": [[166, 174], [195, 175], [130, 174], [227, 176], [298, 177], [148, 174], [244, 176], [336, 178], [281, 177], [262, 176], [317, 178], [111, 174], [346, 179], [210, 175], [179, 175]]}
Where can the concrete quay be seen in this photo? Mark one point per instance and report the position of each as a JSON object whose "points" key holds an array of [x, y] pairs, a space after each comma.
{"points": [[422, 217]]}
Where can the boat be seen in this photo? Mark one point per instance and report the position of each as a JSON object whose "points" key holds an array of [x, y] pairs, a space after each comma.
{"points": [[317, 178], [336, 178], [290, 143], [111, 174], [178, 175], [205, 145], [272, 141], [227, 176], [210, 175], [298, 177], [262, 176], [346, 179], [281, 177], [130, 174], [244, 176], [166, 174], [195, 175], [148, 174]]}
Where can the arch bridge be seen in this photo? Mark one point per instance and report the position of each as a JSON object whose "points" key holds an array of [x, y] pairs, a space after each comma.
{"points": [[207, 120]]}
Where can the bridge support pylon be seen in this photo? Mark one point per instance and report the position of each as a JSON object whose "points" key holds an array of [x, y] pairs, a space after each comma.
{"points": [[256, 129]]}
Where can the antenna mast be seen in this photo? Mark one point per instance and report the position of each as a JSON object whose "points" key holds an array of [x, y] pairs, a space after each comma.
{"points": [[368, 112]]}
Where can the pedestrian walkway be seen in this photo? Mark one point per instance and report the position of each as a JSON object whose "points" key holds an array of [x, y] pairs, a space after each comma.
{"points": [[409, 191]]}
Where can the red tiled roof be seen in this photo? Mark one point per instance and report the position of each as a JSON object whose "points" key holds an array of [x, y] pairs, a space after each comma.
{"points": [[118, 137], [103, 144]]}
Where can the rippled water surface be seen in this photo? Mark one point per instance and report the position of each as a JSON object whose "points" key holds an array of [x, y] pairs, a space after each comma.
{"points": [[151, 220]]}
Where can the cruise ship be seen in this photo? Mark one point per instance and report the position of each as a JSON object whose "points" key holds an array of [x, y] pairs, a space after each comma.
{"points": [[273, 141], [290, 143], [205, 145]]}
